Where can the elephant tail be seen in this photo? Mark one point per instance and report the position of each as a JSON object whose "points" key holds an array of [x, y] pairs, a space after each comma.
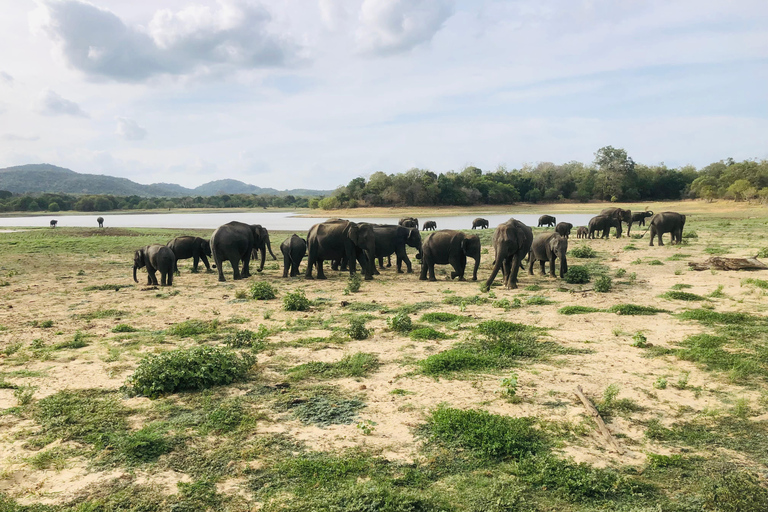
{"points": [[134, 274], [646, 230]]}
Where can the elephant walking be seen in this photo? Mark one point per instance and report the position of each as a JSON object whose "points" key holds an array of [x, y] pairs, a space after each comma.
{"points": [[100, 220], [549, 247], [582, 232], [429, 225], [639, 219], [604, 223], [54, 222], [547, 220], [564, 229], [667, 222], [336, 239], [261, 247], [449, 247], [393, 239], [155, 257], [409, 222], [234, 242], [480, 223], [185, 247], [512, 242], [294, 248], [619, 214]]}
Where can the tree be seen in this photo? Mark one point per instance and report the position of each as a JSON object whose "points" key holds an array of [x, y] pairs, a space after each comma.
{"points": [[616, 172], [54, 207]]}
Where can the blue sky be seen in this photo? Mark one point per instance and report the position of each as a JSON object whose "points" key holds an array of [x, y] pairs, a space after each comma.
{"points": [[312, 93]]}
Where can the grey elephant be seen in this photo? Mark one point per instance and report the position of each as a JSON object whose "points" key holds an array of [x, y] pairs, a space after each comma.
{"points": [[582, 232], [234, 242], [449, 247], [260, 250], [549, 247], [621, 215], [639, 219], [294, 248], [155, 257], [604, 223], [393, 239], [564, 229], [336, 239], [409, 222], [54, 222], [100, 220], [429, 225], [547, 220], [667, 222], [185, 247], [480, 223], [512, 242]]}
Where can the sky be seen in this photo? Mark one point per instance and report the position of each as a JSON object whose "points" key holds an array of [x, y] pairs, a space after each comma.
{"points": [[313, 93]]}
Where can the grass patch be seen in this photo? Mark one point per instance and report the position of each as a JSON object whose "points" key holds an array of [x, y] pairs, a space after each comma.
{"points": [[715, 250], [678, 257], [124, 328], [634, 309], [678, 295], [323, 411], [364, 306], [104, 287], [444, 318], [427, 333], [190, 328], [538, 300], [356, 365], [577, 275], [680, 286], [474, 300], [655, 262], [578, 310], [246, 338], [102, 313], [757, 283], [708, 316]]}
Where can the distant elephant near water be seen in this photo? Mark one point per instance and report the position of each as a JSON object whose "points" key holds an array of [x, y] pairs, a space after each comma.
{"points": [[409, 222], [100, 220], [547, 220], [480, 223], [54, 222], [582, 232], [429, 225], [639, 219]]}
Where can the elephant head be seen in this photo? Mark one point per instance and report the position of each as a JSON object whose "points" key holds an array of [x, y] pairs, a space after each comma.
{"points": [[472, 247], [205, 245], [559, 246], [138, 261], [414, 240], [363, 237], [261, 244]]}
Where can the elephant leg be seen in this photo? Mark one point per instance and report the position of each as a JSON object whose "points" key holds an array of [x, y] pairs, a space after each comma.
{"points": [[530, 264], [311, 259], [263, 253], [423, 273], [408, 266], [389, 261], [319, 267], [205, 262], [543, 267], [195, 262], [170, 279], [236, 274], [381, 262], [661, 241], [552, 267], [459, 263], [218, 261], [496, 267], [653, 235], [512, 283], [286, 264]]}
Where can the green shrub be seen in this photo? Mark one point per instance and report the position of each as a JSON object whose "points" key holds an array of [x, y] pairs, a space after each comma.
{"points": [[144, 445], [630, 248], [190, 328], [500, 328], [324, 411], [296, 301], [759, 283], [634, 309], [655, 262], [640, 341], [583, 251], [77, 341], [357, 329], [603, 284], [262, 290], [690, 234], [621, 272], [538, 300], [124, 328], [762, 253], [443, 318], [506, 304], [577, 310], [188, 369], [427, 333], [577, 275], [356, 365], [401, 323], [45, 324], [353, 283], [678, 295], [246, 338]]}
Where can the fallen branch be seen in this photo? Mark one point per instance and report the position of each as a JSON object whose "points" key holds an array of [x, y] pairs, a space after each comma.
{"points": [[599, 420], [719, 263]]}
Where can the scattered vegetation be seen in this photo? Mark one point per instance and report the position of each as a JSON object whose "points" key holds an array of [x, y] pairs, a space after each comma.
{"points": [[262, 290], [678, 295], [401, 323], [296, 301], [357, 329], [583, 251], [603, 284], [190, 328], [577, 275], [356, 365]]}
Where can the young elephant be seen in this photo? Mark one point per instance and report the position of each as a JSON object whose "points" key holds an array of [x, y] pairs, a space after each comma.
{"points": [[429, 225], [294, 249], [582, 232], [155, 257], [53, 223], [604, 223], [548, 247], [564, 229], [480, 223], [667, 222], [511, 243], [100, 220], [394, 239], [547, 220], [449, 247], [185, 247]]}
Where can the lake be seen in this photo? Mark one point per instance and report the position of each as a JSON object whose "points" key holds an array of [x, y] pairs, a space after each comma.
{"points": [[275, 221]]}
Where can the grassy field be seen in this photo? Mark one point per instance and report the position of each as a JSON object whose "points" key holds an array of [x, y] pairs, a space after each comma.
{"points": [[400, 396]]}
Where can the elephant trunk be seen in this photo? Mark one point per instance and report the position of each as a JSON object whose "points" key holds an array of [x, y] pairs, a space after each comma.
{"points": [[477, 265], [134, 273], [563, 266], [269, 246]]}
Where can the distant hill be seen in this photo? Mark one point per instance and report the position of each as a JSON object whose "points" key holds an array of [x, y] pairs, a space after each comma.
{"points": [[39, 178]]}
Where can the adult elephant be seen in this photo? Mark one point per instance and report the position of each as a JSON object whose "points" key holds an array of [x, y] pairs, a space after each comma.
{"points": [[234, 242], [667, 222], [549, 247], [604, 223], [621, 214], [582, 232], [449, 247], [409, 222], [54, 222], [262, 246], [155, 257], [512, 242], [429, 225], [480, 223], [393, 239], [337, 239], [185, 247], [639, 219], [564, 229], [294, 248], [547, 220], [100, 220]]}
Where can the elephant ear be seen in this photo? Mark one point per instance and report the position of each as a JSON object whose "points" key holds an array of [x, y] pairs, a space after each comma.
{"points": [[353, 232]]}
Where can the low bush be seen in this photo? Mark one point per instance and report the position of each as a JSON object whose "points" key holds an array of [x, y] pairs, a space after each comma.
{"points": [[427, 333], [124, 328], [762, 253], [188, 369], [190, 328], [538, 300], [578, 310], [296, 301], [443, 318], [247, 338], [401, 323], [655, 262], [577, 275], [603, 284], [357, 329], [678, 295], [262, 290], [353, 283], [583, 251], [506, 304], [634, 309], [690, 234]]}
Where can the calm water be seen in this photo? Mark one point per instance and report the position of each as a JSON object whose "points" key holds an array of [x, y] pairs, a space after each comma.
{"points": [[275, 221]]}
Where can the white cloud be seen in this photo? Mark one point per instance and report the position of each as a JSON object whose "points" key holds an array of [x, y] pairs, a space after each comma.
{"points": [[52, 104], [12, 137], [236, 35], [6, 78], [128, 129], [396, 26]]}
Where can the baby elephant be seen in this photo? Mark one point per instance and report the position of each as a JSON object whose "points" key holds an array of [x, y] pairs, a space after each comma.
{"points": [[548, 247], [294, 249], [582, 232], [155, 257], [185, 247]]}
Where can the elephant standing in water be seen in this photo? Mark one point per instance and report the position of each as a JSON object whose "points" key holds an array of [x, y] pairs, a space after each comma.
{"points": [[185, 247], [547, 220], [619, 214], [336, 239], [429, 225], [512, 242], [667, 222], [100, 220], [480, 223], [604, 223], [294, 249], [449, 247], [564, 229], [262, 246], [639, 219], [234, 242], [548, 247], [155, 257]]}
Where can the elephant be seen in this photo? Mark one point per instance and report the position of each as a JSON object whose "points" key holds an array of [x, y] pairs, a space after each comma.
{"points": [[429, 225], [667, 222], [54, 222], [338, 238], [639, 219], [155, 257], [185, 247], [621, 214], [512, 242], [262, 246], [582, 232], [100, 220], [449, 247], [604, 223], [480, 223], [409, 222], [393, 239], [564, 229], [547, 220], [234, 242], [549, 247], [294, 248]]}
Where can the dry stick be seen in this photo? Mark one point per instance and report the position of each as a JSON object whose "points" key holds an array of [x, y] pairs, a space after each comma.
{"points": [[600, 423]]}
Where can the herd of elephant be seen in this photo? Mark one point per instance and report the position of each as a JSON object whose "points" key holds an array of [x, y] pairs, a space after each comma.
{"points": [[345, 243]]}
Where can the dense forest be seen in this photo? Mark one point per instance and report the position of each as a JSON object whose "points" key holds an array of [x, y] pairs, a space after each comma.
{"points": [[612, 176]]}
